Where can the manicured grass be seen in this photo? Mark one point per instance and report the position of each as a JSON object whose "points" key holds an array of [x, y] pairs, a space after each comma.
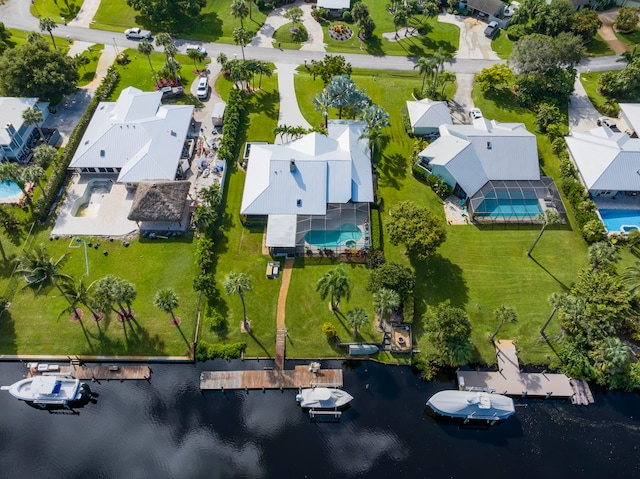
{"points": [[56, 10], [214, 23], [239, 248], [631, 39], [598, 47], [19, 38], [88, 72], [501, 45], [287, 40], [33, 324], [590, 84]]}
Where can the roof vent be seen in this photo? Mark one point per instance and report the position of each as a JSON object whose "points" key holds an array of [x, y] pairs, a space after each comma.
{"points": [[173, 133], [488, 145], [102, 152], [299, 202], [292, 166]]}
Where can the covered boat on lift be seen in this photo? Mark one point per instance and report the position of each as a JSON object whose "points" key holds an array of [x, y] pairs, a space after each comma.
{"points": [[44, 390], [472, 405]]}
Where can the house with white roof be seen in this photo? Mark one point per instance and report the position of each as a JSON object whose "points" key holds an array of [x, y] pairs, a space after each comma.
{"points": [[630, 114], [136, 137], [314, 192], [427, 115], [15, 135], [608, 162], [335, 7], [494, 167]]}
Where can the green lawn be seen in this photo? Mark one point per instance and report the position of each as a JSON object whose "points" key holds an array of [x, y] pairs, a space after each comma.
{"points": [[88, 72], [590, 84], [19, 38], [33, 324], [598, 47], [501, 45], [56, 11], [631, 39], [286, 40], [214, 23]]}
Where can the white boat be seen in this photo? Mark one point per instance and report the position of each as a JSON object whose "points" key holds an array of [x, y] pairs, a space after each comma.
{"points": [[44, 390], [323, 398], [472, 405]]}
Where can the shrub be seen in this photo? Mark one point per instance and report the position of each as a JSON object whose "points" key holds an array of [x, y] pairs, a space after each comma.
{"points": [[610, 108], [376, 258], [515, 32], [439, 186], [567, 168], [347, 17], [558, 145], [594, 231], [215, 320], [206, 350], [419, 173], [424, 365], [329, 330], [123, 59], [556, 130]]}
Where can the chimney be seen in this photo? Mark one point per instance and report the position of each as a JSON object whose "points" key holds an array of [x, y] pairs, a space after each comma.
{"points": [[292, 165]]}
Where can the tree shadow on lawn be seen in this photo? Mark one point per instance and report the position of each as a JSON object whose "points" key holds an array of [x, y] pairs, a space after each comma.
{"points": [[7, 333], [392, 168], [438, 280], [257, 341], [504, 99], [374, 46], [266, 103]]}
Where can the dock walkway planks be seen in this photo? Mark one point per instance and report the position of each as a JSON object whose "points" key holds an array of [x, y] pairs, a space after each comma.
{"points": [[270, 379], [510, 381], [98, 372]]}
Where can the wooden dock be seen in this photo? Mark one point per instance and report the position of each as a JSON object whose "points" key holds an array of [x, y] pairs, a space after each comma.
{"points": [[93, 372], [510, 381], [301, 376]]}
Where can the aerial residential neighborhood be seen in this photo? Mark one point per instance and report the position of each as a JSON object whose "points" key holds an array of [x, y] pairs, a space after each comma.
{"points": [[446, 186]]}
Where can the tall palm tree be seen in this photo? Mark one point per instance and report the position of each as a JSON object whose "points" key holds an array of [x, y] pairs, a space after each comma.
{"points": [[376, 118], [335, 283], [46, 24], [146, 48], [34, 174], [631, 277], [239, 10], [38, 267], [440, 56], [167, 300], [602, 255], [446, 77], [241, 37], [322, 102], [171, 50], [549, 217], [504, 314], [426, 66], [196, 56], [33, 116], [79, 292], [384, 301], [263, 68], [111, 291], [356, 318], [400, 17], [238, 283], [44, 155]]}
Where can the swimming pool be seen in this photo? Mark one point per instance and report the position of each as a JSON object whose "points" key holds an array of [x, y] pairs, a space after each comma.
{"points": [[348, 234], [617, 221], [9, 189], [496, 208], [89, 203]]}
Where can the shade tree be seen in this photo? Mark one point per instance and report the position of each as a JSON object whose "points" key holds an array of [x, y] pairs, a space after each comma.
{"points": [[417, 228], [357, 318], [328, 68], [393, 276], [168, 15], [627, 20], [336, 284], [448, 329]]}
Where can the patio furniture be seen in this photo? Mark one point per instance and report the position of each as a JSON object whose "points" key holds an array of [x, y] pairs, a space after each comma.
{"points": [[273, 269]]}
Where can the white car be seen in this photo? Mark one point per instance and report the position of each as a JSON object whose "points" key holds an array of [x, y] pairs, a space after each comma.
{"points": [[510, 9], [137, 34], [475, 113], [491, 29], [203, 88], [604, 121]]}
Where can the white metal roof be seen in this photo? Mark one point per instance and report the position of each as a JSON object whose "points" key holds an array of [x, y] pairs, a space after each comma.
{"points": [[281, 231], [11, 109], [607, 161], [334, 4], [136, 134], [428, 114], [632, 113], [333, 169]]}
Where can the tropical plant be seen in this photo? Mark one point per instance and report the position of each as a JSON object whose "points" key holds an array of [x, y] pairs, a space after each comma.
{"points": [[80, 59], [376, 118], [549, 217], [145, 47], [241, 37], [39, 268], [34, 116], [238, 283], [449, 330], [426, 66], [504, 314], [80, 293], [357, 318], [112, 291], [603, 255], [631, 277], [167, 300], [384, 301], [239, 10], [400, 18], [44, 155], [34, 174], [335, 283], [47, 24]]}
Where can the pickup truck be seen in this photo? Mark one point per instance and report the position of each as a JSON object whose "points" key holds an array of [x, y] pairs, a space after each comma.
{"points": [[137, 34]]}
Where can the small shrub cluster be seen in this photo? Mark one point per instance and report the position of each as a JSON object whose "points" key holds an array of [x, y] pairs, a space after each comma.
{"points": [[439, 186], [376, 230], [229, 145], [329, 330], [419, 173], [59, 175], [206, 350], [205, 281], [319, 14]]}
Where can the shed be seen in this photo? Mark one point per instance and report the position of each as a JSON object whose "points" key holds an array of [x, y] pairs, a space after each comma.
{"points": [[217, 115], [159, 201]]}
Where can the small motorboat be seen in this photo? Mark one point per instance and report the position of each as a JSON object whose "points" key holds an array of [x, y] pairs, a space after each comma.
{"points": [[45, 390], [362, 349], [472, 405], [323, 398]]}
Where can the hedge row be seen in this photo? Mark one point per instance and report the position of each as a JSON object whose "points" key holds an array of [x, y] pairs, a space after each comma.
{"points": [[59, 175], [206, 350], [229, 146]]}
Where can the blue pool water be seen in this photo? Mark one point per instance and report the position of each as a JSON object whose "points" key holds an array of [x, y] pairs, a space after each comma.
{"points": [[496, 208], [615, 220], [9, 189], [334, 238]]}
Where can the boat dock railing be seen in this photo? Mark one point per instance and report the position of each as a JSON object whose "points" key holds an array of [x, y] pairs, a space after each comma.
{"points": [[324, 415], [314, 384]]}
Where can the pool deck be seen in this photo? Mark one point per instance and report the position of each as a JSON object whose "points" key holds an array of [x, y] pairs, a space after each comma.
{"points": [[621, 202]]}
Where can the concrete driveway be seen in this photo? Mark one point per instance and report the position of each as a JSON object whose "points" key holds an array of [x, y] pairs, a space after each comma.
{"points": [[582, 113], [473, 44]]}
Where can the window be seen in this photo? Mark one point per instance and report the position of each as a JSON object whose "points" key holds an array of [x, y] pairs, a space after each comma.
{"points": [[299, 202], [488, 145]]}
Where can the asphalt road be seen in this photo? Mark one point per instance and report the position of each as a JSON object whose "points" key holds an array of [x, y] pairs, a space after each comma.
{"points": [[15, 14]]}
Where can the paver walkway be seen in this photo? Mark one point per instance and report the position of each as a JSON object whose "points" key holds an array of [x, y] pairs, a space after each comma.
{"points": [[282, 306], [290, 113]]}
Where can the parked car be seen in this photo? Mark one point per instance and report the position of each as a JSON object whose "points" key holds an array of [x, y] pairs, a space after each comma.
{"points": [[475, 113], [198, 49], [604, 121], [137, 34], [491, 29], [203, 88], [510, 9]]}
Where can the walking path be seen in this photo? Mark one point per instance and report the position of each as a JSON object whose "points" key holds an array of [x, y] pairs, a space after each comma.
{"points": [[606, 31], [582, 113], [290, 113], [281, 327], [84, 18]]}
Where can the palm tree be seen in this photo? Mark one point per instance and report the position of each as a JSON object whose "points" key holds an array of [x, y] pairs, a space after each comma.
{"points": [[46, 24], [33, 116], [221, 59], [34, 174], [38, 267], [356, 318], [239, 10], [322, 102], [440, 56], [629, 57], [426, 66], [80, 59], [336, 283], [238, 283], [146, 48], [376, 118], [44, 155], [504, 314], [631, 277], [241, 37], [167, 300], [549, 217], [196, 56], [111, 290], [164, 40], [263, 68], [611, 355], [602, 255], [11, 171], [400, 18], [79, 292], [446, 77], [384, 301]]}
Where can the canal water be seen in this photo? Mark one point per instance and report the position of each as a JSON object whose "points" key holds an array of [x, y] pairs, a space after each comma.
{"points": [[169, 429]]}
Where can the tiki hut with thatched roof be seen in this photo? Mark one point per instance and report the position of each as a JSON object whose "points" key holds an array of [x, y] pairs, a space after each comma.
{"points": [[159, 202]]}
